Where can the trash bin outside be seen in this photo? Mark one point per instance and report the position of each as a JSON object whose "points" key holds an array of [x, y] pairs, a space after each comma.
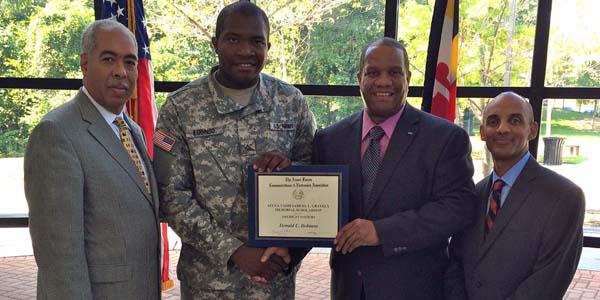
{"points": [[553, 147]]}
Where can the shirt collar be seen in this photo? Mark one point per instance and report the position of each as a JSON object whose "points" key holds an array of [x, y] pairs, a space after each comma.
{"points": [[388, 125], [108, 116], [225, 105], [511, 175]]}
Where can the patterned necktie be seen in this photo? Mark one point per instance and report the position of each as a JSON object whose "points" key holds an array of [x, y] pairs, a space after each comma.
{"points": [[371, 161], [494, 204], [127, 142]]}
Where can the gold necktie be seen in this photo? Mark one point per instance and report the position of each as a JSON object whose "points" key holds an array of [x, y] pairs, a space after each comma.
{"points": [[127, 142]]}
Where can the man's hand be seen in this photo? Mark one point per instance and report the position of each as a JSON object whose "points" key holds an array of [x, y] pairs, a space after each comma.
{"points": [[272, 160], [247, 259], [284, 253], [357, 233]]}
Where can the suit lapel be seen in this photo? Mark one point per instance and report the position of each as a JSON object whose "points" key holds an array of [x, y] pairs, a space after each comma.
{"points": [[517, 196], [404, 134], [102, 132], [138, 139], [353, 158], [479, 229]]}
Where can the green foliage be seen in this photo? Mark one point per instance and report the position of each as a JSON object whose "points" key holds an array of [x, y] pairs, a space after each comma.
{"points": [[567, 160], [337, 43], [53, 38], [329, 110], [335, 50], [567, 123], [413, 32], [574, 160], [12, 143], [39, 39], [313, 42], [563, 130]]}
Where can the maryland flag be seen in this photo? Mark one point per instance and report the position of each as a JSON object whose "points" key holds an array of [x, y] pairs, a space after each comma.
{"points": [[142, 106], [443, 103]]}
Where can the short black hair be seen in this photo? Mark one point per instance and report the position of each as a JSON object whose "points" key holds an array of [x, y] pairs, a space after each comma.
{"points": [[243, 8], [386, 41]]}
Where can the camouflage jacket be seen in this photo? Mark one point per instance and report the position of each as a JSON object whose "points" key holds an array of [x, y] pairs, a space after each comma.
{"points": [[202, 175]]}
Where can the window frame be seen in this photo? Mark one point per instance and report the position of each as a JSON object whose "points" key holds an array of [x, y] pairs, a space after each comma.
{"points": [[536, 92]]}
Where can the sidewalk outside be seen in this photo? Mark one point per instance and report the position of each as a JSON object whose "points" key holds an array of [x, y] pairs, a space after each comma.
{"points": [[18, 269], [18, 277]]}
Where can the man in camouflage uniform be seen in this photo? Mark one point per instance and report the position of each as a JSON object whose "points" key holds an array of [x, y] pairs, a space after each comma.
{"points": [[208, 132]]}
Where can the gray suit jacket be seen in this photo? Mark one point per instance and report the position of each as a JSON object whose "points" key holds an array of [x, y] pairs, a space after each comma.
{"points": [[423, 193], [93, 225], [533, 248]]}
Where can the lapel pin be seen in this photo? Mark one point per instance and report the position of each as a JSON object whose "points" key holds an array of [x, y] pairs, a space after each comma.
{"points": [[410, 133]]}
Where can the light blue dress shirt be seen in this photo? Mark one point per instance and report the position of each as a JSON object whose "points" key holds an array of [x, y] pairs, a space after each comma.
{"points": [[509, 178]]}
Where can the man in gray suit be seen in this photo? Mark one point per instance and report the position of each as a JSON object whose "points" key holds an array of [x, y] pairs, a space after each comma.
{"points": [[527, 237], [420, 190], [93, 207]]}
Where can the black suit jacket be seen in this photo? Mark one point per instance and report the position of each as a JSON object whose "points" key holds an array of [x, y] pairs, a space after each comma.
{"points": [[533, 248], [423, 193]]}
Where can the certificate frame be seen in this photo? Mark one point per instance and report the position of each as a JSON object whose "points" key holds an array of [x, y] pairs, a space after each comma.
{"points": [[332, 173]]}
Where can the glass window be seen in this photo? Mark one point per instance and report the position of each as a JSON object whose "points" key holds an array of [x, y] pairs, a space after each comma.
{"points": [[570, 145], [160, 99], [574, 44], [414, 21], [415, 102], [571, 129], [468, 116], [329, 49], [311, 42], [11, 185], [42, 38], [20, 111], [496, 45], [328, 110]]}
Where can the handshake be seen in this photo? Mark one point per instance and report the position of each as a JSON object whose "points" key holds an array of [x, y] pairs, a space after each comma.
{"points": [[261, 264]]}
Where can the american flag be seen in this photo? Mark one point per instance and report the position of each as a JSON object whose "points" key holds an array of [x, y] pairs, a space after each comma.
{"points": [[142, 106], [164, 140]]}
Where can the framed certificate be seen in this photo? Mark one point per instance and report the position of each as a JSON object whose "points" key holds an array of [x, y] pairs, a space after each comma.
{"points": [[301, 206]]}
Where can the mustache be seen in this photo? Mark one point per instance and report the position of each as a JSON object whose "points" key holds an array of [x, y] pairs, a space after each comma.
{"points": [[119, 85]]}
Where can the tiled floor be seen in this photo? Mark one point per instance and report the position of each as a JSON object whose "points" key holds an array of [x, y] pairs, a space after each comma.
{"points": [[18, 280]]}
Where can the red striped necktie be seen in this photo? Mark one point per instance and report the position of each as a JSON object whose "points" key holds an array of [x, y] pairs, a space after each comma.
{"points": [[494, 204]]}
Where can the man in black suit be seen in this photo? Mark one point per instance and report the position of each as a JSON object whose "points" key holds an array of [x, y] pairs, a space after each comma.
{"points": [[527, 235], [410, 186]]}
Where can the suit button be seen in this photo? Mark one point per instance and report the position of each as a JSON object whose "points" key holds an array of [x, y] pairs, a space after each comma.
{"points": [[478, 284]]}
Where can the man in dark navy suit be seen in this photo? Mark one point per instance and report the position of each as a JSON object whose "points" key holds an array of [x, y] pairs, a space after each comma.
{"points": [[410, 186]]}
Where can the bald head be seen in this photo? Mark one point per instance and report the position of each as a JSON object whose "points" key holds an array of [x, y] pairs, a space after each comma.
{"points": [[507, 128], [514, 98]]}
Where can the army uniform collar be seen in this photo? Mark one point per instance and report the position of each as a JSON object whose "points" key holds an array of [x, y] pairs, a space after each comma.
{"points": [[259, 101]]}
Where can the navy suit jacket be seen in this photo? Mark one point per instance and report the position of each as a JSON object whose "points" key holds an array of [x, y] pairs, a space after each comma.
{"points": [[423, 193], [533, 248]]}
